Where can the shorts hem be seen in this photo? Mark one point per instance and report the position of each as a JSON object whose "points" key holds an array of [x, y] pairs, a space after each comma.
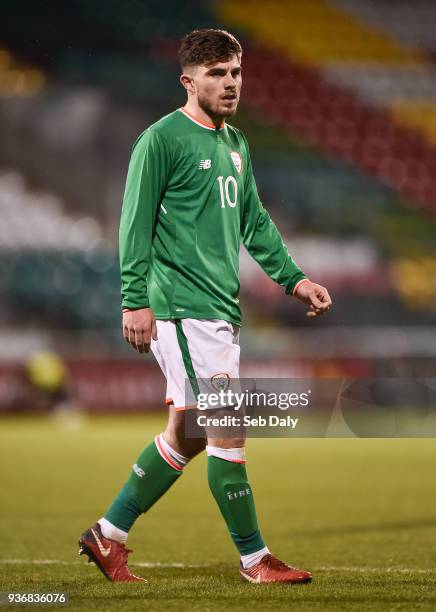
{"points": [[184, 408]]}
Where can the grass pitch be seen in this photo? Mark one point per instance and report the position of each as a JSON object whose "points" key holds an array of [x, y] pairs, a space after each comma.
{"points": [[359, 513]]}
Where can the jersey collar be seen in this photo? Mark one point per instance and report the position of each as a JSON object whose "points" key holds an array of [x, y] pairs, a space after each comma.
{"points": [[207, 126]]}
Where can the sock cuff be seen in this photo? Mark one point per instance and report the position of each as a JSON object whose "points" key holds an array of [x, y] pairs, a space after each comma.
{"points": [[235, 455], [111, 531], [251, 559], [168, 454]]}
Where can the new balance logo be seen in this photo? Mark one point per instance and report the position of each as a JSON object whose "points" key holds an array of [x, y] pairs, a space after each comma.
{"points": [[138, 471], [205, 164]]}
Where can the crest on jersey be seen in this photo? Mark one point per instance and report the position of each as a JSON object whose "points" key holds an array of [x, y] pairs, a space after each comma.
{"points": [[220, 382], [236, 159]]}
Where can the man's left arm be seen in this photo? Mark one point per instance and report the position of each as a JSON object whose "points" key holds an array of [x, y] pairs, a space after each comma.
{"points": [[265, 244]]}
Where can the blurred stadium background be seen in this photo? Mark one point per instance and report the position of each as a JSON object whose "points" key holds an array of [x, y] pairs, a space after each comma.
{"points": [[339, 107]]}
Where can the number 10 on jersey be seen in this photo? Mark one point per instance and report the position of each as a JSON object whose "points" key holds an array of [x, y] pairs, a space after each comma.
{"points": [[228, 191]]}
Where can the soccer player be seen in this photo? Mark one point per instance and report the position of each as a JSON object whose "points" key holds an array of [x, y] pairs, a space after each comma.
{"points": [[190, 199]]}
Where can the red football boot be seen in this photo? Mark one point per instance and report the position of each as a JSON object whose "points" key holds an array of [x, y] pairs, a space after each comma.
{"points": [[270, 569], [109, 556]]}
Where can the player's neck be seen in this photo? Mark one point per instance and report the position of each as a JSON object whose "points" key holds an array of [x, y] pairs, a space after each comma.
{"points": [[193, 109]]}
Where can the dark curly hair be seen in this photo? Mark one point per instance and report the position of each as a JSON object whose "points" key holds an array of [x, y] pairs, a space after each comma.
{"points": [[207, 46]]}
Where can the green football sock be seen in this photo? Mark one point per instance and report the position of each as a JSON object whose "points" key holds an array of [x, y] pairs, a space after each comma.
{"points": [[151, 476], [229, 485]]}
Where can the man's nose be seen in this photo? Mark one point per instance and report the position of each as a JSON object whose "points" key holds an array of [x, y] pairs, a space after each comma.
{"points": [[230, 82]]}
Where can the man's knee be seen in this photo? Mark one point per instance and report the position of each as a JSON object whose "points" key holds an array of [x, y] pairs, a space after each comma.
{"points": [[174, 435], [188, 447]]}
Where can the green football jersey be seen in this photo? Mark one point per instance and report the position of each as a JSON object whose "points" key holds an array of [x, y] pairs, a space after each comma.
{"points": [[190, 199]]}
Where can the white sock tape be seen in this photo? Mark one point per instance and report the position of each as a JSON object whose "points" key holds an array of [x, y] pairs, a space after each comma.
{"points": [[168, 451], [237, 455]]}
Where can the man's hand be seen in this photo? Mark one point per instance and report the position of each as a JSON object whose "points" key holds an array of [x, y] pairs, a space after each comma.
{"points": [[316, 296], [139, 326]]}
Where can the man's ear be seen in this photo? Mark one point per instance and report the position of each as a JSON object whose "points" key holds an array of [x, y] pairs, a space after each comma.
{"points": [[188, 83]]}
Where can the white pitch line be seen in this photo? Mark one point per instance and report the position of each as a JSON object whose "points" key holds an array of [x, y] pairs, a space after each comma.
{"points": [[59, 562], [37, 562], [402, 570], [148, 564], [179, 565]]}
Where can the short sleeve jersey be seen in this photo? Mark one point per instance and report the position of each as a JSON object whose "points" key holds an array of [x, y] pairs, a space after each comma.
{"points": [[190, 199]]}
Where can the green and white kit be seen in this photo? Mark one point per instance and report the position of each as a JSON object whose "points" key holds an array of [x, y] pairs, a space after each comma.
{"points": [[191, 352], [190, 200]]}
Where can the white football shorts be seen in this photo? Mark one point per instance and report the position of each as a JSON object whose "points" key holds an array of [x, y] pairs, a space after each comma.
{"points": [[191, 351]]}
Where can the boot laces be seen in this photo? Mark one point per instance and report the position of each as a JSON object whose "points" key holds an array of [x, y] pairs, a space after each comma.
{"points": [[274, 563], [125, 552]]}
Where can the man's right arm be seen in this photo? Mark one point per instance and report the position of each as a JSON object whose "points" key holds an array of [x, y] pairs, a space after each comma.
{"points": [[145, 186]]}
